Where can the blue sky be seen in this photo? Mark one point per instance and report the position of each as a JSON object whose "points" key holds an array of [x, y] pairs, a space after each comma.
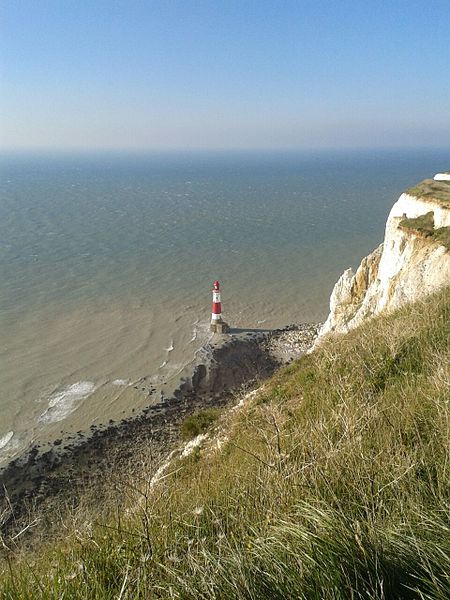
{"points": [[198, 74]]}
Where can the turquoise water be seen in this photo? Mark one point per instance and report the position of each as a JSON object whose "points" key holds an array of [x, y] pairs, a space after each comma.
{"points": [[106, 264]]}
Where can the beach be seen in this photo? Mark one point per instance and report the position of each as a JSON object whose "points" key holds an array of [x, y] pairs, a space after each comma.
{"points": [[43, 480]]}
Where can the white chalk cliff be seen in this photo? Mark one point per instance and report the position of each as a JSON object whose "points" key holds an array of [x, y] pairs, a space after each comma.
{"points": [[442, 177], [409, 264]]}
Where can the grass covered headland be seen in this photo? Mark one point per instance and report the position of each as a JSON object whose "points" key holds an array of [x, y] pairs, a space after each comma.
{"points": [[433, 191], [424, 226], [331, 482]]}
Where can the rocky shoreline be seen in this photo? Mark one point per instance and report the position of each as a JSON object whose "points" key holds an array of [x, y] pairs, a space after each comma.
{"points": [[39, 483]]}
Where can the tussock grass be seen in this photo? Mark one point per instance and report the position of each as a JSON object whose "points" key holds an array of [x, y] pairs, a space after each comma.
{"points": [[332, 483]]}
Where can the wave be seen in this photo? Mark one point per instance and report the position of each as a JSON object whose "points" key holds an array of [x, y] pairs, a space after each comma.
{"points": [[5, 439], [63, 403], [194, 332]]}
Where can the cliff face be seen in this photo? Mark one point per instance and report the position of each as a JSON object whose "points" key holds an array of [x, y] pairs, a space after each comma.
{"points": [[413, 261]]}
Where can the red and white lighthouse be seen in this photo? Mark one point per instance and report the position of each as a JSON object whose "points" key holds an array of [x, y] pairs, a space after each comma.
{"points": [[217, 324]]}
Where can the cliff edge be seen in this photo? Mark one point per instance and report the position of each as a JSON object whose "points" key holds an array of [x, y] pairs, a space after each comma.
{"points": [[412, 262]]}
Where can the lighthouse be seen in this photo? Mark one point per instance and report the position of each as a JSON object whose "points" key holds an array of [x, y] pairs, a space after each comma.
{"points": [[217, 324]]}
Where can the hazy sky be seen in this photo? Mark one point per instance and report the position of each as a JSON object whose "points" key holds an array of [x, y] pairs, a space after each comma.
{"points": [[224, 74]]}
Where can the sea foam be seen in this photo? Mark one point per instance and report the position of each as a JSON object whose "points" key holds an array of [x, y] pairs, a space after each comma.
{"points": [[5, 439], [121, 382], [61, 404]]}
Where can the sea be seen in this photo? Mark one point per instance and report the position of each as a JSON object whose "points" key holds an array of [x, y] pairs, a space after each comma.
{"points": [[107, 262]]}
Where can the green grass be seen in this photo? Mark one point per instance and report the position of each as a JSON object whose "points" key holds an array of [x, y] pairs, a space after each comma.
{"points": [[442, 236], [434, 191], [332, 483], [197, 423], [424, 225]]}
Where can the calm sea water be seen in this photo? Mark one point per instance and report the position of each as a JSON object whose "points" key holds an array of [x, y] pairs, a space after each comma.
{"points": [[106, 264]]}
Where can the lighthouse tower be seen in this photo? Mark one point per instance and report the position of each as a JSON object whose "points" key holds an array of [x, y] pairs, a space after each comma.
{"points": [[217, 324]]}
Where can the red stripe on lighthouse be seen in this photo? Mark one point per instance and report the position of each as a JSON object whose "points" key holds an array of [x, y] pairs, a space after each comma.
{"points": [[216, 305], [217, 324]]}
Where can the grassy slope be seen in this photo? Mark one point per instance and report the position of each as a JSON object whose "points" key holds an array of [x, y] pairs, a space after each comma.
{"points": [[424, 226], [433, 191], [333, 483]]}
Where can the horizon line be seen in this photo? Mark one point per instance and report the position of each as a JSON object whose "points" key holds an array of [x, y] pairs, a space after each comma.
{"points": [[193, 150]]}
